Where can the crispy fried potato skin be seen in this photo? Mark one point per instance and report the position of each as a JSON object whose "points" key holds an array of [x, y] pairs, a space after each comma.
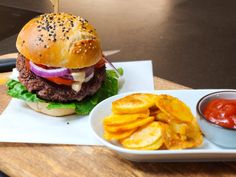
{"points": [[144, 137], [145, 121], [119, 119], [134, 103]]}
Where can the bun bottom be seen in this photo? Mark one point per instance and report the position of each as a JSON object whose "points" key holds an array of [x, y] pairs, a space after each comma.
{"points": [[42, 108]]}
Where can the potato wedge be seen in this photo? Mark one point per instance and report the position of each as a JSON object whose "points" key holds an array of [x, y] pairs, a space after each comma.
{"points": [[134, 103], [144, 136], [118, 136], [123, 127], [118, 119]]}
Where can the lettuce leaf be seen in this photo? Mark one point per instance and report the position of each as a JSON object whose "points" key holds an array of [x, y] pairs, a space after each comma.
{"points": [[109, 88], [17, 90]]}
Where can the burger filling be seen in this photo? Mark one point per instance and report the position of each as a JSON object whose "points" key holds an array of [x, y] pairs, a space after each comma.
{"points": [[60, 84]]}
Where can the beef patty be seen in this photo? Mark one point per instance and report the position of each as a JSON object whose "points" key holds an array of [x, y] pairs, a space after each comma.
{"points": [[59, 93]]}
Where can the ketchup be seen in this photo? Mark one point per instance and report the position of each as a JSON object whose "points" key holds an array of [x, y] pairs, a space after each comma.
{"points": [[221, 112]]}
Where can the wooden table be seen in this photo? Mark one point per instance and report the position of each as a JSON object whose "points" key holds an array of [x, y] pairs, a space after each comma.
{"points": [[27, 160]]}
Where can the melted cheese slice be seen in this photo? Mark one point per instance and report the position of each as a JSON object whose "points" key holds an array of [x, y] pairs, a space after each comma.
{"points": [[76, 86], [79, 78]]}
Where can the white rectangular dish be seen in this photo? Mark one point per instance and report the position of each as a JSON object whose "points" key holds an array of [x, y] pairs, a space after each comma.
{"points": [[207, 152], [19, 124]]}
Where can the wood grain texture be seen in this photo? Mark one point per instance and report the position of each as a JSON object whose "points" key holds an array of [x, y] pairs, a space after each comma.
{"points": [[30, 160], [10, 55]]}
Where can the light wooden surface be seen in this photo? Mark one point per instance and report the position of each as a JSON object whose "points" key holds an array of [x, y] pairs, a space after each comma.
{"points": [[29, 160], [10, 55]]}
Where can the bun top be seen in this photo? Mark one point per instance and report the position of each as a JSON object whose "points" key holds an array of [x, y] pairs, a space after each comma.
{"points": [[60, 40]]}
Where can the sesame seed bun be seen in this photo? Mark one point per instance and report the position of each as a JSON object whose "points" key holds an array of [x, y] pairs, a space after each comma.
{"points": [[60, 40]]}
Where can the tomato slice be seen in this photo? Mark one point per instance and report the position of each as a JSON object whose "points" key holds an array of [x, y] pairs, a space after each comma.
{"points": [[60, 81], [100, 63], [27, 64]]}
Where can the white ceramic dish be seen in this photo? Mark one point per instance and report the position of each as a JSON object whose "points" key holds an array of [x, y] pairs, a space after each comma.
{"points": [[207, 152], [74, 129]]}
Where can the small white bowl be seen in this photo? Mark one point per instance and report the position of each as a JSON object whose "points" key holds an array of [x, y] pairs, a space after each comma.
{"points": [[222, 136]]}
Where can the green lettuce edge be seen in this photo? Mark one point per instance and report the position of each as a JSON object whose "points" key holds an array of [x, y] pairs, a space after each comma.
{"points": [[108, 88]]}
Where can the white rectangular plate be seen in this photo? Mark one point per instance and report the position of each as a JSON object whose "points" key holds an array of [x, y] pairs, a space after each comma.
{"points": [[20, 124], [207, 152]]}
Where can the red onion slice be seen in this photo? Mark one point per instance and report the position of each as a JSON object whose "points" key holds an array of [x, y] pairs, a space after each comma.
{"points": [[48, 72]]}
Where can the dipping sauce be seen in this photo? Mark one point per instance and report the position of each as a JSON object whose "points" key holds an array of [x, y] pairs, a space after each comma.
{"points": [[221, 112]]}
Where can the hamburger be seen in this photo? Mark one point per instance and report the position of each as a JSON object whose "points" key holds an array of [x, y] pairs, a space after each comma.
{"points": [[61, 66]]}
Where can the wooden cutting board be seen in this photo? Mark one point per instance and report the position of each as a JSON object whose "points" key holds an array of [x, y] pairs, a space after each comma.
{"points": [[27, 160]]}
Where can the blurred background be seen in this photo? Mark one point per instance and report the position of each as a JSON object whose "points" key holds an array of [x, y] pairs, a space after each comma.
{"points": [[191, 42]]}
